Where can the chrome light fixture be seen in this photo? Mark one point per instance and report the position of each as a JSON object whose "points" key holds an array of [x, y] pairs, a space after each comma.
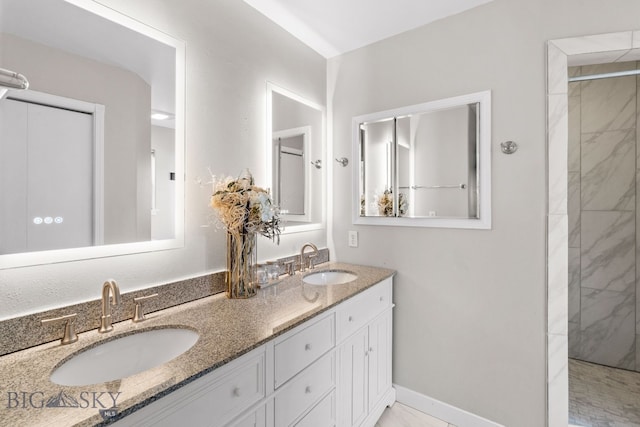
{"points": [[11, 80]]}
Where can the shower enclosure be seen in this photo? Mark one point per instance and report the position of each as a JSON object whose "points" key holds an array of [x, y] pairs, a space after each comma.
{"points": [[603, 172]]}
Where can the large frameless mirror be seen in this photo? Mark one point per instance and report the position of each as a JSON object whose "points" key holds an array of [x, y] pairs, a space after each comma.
{"points": [[295, 146], [425, 165], [92, 153]]}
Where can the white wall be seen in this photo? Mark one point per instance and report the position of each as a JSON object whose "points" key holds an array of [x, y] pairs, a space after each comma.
{"points": [[470, 304], [232, 50]]}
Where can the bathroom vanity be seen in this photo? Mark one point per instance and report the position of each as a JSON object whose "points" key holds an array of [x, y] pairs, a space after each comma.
{"points": [[296, 354]]}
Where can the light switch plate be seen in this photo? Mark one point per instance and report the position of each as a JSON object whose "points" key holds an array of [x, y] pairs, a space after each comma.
{"points": [[353, 239]]}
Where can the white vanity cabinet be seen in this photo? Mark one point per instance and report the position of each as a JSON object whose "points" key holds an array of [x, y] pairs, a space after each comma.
{"points": [[256, 418], [305, 373], [212, 400], [333, 370], [364, 357]]}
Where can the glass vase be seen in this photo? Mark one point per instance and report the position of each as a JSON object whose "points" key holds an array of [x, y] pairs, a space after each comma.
{"points": [[241, 265]]}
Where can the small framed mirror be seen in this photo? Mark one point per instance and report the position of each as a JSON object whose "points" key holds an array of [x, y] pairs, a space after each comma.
{"points": [[295, 147], [425, 165]]}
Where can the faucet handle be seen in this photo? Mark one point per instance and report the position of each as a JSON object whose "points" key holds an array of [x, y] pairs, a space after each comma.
{"points": [[310, 261], [290, 267], [70, 335], [138, 313]]}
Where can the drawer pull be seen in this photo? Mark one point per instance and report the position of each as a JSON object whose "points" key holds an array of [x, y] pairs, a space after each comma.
{"points": [[350, 318], [381, 299], [370, 349], [236, 392], [307, 390], [307, 347]]}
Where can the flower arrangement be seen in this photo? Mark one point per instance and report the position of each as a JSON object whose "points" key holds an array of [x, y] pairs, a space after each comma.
{"points": [[244, 210], [385, 204], [243, 207]]}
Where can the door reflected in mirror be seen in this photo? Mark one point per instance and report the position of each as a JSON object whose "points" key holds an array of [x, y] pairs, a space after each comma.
{"points": [[295, 138], [290, 152], [86, 158], [425, 165]]}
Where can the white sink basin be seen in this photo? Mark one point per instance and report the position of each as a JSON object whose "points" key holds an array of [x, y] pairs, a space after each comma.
{"points": [[331, 277], [125, 356]]}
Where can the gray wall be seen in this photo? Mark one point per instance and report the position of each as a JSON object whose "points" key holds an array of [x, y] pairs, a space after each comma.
{"points": [[470, 317], [232, 51], [603, 138]]}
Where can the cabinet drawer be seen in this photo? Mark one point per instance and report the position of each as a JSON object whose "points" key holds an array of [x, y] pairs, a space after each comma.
{"points": [[299, 350], [254, 419], [238, 390], [304, 390], [209, 401], [322, 415], [359, 310]]}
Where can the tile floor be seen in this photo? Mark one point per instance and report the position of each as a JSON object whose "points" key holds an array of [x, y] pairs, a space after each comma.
{"points": [[400, 415], [600, 396]]}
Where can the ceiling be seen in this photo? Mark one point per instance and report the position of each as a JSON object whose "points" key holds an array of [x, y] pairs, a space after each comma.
{"points": [[332, 27]]}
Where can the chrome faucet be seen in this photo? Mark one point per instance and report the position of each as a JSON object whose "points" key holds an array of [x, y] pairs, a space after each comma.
{"points": [[109, 289], [315, 254]]}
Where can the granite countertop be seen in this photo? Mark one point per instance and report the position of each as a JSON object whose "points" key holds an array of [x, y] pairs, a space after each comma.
{"points": [[227, 328]]}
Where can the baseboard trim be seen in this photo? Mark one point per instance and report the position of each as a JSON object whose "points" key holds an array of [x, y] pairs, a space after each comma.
{"points": [[441, 410]]}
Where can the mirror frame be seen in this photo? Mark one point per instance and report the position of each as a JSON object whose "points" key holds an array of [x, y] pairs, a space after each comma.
{"points": [[484, 164], [91, 252], [309, 201]]}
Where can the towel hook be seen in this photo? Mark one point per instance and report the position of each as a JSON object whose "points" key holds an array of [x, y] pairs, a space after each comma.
{"points": [[509, 147], [343, 161]]}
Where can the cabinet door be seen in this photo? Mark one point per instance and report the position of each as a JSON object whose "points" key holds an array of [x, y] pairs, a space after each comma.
{"points": [[352, 393], [379, 355]]}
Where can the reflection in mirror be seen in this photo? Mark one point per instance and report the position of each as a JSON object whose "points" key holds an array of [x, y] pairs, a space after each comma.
{"points": [[290, 171], [295, 143], [425, 165], [88, 166]]}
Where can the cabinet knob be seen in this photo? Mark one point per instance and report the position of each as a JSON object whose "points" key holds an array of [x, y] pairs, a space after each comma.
{"points": [[350, 318], [307, 389], [307, 347], [236, 392], [370, 349], [381, 299]]}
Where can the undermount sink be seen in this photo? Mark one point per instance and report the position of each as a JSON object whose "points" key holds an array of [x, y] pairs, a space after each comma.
{"points": [[330, 277], [125, 356]]}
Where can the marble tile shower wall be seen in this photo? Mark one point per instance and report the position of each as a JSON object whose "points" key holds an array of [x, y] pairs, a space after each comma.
{"points": [[604, 241]]}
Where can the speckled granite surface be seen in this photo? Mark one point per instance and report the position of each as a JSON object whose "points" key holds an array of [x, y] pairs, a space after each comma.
{"points": [[27, 331], [227, 328]]}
